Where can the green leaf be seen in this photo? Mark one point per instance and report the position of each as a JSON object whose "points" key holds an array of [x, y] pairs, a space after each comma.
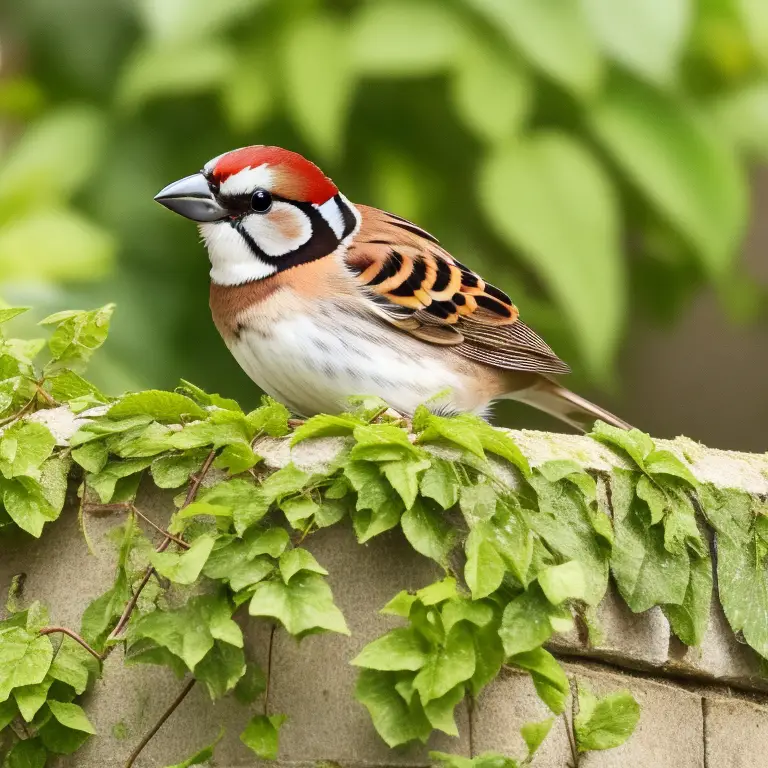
{"points": [[484, 569], [456, 430], [447, 666], [67, 386], [105, 483], [386, 38], [200, 757], [299, 509], [534, 734], [526, 624], [59, 739], [261, 735], [478, 503], [680, 161], [439, 592], [178, 69], [172, 471], [92, 456], [742, 578], [167, 407], [398, 649], [8, 313], [645, 572], [567, 228], [25, 502], [221, 668], [270, 417], [29, 753], [666, 463], [403, 476], [563, 582], [251, 685], [394, 721], [441, 482], [427, 530], [184, 567], [645, 36], [29, 698], [460, 609], [492, 92], [297, 561], [73, 665], [71, 716], [604, 723], [23, 449], [319, 80], [203, 398], [236, 458], [325, 426], [548, 677], [440, 711], [303, 606], [553, 35], [689, 620], [247, 504], [755, 18], [78, 335], [189, 631]]}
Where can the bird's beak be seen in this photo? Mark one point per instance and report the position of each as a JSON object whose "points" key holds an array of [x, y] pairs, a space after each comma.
{"points": [[191, 197]]}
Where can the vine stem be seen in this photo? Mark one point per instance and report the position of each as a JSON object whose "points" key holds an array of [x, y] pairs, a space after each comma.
{"points": [[124, 506], [570, 726], [194, 487], [159, 724], [71, 633]]}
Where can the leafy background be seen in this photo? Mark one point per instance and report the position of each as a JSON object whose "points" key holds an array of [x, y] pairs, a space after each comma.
{"points": [[599, 159]]}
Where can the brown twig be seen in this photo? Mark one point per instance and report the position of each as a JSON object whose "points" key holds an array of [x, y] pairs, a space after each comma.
{"points": [[159, 724], [48, 399], [71, 633], [125, 506], [183, 544], [194, 487], [570, 726]]}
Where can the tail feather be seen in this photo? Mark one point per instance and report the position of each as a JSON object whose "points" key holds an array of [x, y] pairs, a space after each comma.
{"points": [[560, 402]]}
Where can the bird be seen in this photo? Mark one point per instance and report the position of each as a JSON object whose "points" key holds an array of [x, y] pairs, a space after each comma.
{"points": [[320, 300]]}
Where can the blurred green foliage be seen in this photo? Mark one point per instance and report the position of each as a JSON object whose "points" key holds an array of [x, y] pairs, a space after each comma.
{"points": [[587, 155]]}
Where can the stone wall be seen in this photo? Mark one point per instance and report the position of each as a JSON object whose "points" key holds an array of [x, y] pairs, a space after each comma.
{"points": [[701, 708]]}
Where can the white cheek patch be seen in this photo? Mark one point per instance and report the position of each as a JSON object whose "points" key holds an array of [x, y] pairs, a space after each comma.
{"points": [[284, 229], [232, 261], [246, 181], [329, 210]]}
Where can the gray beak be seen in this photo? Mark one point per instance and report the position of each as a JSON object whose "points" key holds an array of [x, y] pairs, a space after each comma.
{"points": [[191, 197]]}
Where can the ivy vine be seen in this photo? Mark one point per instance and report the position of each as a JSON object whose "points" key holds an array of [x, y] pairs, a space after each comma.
{"points": [[522, 560]]}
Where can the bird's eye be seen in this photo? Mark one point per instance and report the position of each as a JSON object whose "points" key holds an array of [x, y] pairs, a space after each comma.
{"points": [[261, 201]]}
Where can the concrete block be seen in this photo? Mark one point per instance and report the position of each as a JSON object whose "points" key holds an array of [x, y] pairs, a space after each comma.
{"points": [[736, 733]]}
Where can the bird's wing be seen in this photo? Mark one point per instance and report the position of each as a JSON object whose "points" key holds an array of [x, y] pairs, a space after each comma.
{"points": [[419, 287]]}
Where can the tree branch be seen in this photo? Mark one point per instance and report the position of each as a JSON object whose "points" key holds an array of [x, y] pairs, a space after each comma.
{"points": [[71, 633]]}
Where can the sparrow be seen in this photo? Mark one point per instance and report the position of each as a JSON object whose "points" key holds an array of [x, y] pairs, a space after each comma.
{"points": [[319, 299]]}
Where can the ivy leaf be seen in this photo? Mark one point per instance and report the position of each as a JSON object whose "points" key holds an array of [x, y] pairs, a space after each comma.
{"points": [[440, 711], [59, 739], [534, 734], [92, 457], [441, 482], [453, 429], [251, 685], [203, 756], [271, 418], [393, 719], [26, 504], [447, 666], [304, 606], [403, 476], [690, 619], [71, 716], [78, 334], [29, 753], [666, 463], [489, 656], [261, 735], [25, 659], [67, 386], [547, 675], [484, 569], [29, 698], [297, 561], [604, 723], [241, 497], [236, 458], [165, 407], [73, 665], [526, 623], [205, 399], [172, 471], [221, 668], [646, 573], [397, 650], [189, 631], [427, 530], [326, 426], [299, 509], [563, 582], [460, 609], [105, 483], [222, 427], [184, 567], [24, 447]]}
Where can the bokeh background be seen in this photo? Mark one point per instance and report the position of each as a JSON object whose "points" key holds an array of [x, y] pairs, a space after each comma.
{"points": [[598, 159]]}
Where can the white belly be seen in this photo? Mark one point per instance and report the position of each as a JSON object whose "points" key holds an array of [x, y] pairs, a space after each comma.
{"points": [[313, 368]]}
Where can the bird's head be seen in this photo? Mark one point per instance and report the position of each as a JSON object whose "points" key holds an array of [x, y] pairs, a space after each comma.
{"points": [[262, 210]]}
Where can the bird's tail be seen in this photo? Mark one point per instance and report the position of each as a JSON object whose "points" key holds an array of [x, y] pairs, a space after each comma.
{"points": [[552, 398]]}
